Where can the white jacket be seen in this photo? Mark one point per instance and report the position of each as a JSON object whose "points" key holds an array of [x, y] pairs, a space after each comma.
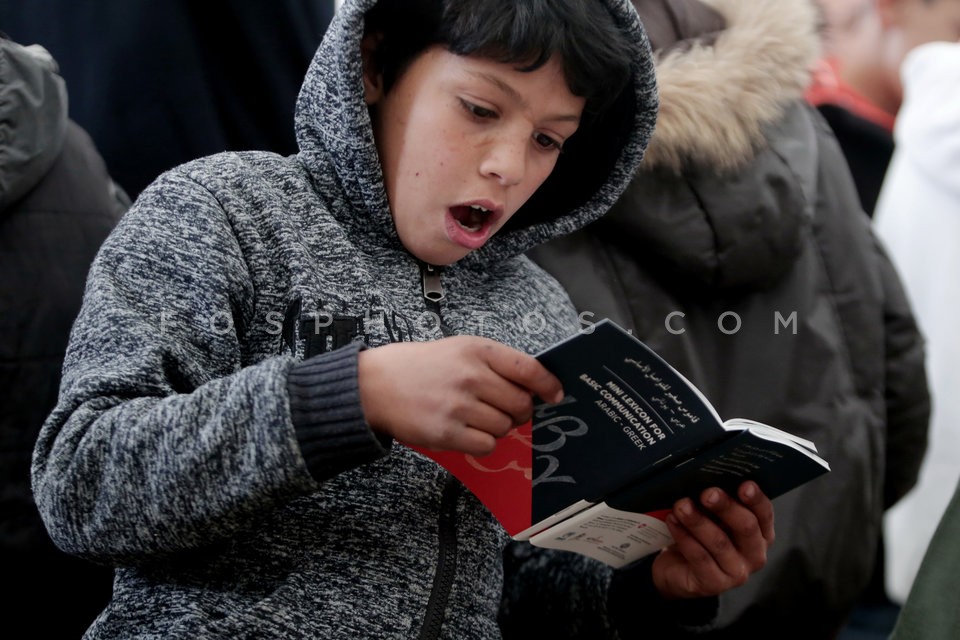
{"points": [[918, 217]]}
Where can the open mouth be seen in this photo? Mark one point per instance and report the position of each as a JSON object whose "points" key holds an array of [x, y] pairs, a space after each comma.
{"points": [[471, 218]]}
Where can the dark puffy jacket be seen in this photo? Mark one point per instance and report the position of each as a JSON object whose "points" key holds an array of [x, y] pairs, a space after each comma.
{"points": [[57, 204], [741, 254]]}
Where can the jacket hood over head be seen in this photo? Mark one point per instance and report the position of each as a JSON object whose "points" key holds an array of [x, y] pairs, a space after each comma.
{"points": [[335, 137], [726, 184], [33, 118]]}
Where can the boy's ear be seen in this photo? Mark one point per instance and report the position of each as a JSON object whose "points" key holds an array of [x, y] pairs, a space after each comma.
{"points": [[372, 78]]}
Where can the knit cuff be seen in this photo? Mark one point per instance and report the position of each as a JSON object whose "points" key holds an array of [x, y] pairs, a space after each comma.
{"points": [[327, 416]]}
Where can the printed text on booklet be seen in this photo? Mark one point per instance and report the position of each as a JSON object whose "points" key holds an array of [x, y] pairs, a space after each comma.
{"points": [[597, 472]]}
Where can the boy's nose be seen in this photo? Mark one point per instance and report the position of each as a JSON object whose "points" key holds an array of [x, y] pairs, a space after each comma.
{"points": [[505, 161]]}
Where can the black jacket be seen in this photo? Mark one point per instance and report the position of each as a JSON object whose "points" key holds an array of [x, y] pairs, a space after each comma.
{"points": [[741, 254], [57, 204], [866, 145], [159, 83]]}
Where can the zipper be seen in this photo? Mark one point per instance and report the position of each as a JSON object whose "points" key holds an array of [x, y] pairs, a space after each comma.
{"points": [[446, 521], [433, 293], [432, 286], [446, 562]]}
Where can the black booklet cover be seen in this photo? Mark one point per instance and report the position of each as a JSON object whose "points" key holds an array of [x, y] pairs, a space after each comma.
{"points": [[597, 472]]}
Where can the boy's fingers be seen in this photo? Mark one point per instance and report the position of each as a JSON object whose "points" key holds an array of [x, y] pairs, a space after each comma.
{"points": [[524, 370], [488, 419], [751, 495], [507, 397], [734, 555], [740, 523], [708, 574], [473, 442]]}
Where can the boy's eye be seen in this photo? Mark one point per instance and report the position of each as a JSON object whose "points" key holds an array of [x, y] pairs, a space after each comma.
{"points": [[478, 111], [546, 142], [542, 140]]}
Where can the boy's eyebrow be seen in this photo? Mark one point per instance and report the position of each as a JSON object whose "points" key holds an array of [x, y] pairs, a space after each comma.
{"points": [[512, 93]]}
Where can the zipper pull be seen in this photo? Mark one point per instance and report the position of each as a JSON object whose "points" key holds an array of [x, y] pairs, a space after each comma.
{"points": [[432, 287]]}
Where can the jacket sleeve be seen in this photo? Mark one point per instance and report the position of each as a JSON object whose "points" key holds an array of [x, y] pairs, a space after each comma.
{"points": [[907, 393], [164, 437], [558, 594]]}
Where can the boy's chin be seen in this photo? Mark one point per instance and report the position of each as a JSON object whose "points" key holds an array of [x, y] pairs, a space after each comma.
{"points": [[442, 262], [440, 258]]}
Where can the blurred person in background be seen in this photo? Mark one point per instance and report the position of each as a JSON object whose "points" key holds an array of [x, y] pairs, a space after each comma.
{"points": [[857, 86], [858, 89], [930, 611], [157, 84], [57, 204], [918, 216], [741, 254]]}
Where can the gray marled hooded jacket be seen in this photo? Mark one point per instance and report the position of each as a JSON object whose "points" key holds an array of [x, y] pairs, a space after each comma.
{"points": [[209, 440]]}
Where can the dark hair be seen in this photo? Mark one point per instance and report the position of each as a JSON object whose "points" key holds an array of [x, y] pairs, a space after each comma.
{"points": [[594, 52]]}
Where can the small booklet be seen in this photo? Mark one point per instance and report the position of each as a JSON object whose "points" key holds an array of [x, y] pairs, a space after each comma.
{"points": [[597, 472]]}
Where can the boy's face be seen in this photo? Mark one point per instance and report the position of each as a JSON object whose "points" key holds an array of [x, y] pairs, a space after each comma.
{"points": [[463, 143]]}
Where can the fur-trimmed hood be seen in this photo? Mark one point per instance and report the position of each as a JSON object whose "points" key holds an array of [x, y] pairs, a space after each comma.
{"points": [[727, 185], [716, 99]]}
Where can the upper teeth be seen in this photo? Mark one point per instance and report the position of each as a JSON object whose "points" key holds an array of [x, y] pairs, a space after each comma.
{"points": [[477, 207]]}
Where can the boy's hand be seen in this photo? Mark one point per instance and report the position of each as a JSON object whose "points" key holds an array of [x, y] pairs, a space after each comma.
{"points": [[716, 546], [455, 394]]}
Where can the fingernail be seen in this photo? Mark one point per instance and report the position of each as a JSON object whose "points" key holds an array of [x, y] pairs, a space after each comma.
{"points": [[712, 497], [749, 491], [686, 508]]}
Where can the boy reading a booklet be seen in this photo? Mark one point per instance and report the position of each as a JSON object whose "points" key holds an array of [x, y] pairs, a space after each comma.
{"points": [[259, 329]]}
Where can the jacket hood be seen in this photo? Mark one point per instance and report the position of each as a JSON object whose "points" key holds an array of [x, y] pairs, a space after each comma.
{"points": [[335, 138], [928, 133], [33, 118], [715, 100], [728, 182]]}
